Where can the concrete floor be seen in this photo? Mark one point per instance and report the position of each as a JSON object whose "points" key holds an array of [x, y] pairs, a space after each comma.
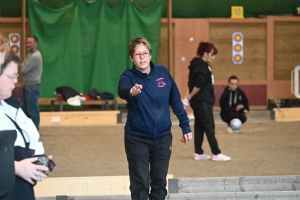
{"points": [[262, 147]]}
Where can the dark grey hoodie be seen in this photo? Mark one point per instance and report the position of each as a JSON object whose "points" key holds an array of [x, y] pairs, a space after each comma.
{"points": [[230, 99]]}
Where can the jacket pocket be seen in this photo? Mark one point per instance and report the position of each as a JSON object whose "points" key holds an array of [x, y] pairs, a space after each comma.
{"points": [[140, 124]]}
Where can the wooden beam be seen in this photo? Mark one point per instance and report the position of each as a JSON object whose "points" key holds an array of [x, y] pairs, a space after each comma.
{"points": [[242, 82], [287, 114], [47, 101], [170, 38], [286, 18], [230, 20], [80, 118], [270, 48], [84, 186], [10, 20], [24, 28]]}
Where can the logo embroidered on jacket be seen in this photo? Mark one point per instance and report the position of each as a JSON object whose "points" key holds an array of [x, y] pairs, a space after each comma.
{"points": [[160, 82]]}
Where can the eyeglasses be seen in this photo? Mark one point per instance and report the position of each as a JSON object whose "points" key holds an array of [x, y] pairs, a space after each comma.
{"points": [[145, 54], [12, 76]]}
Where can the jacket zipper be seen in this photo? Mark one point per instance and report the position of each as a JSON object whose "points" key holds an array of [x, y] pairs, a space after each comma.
{"points": [[154, 107]]}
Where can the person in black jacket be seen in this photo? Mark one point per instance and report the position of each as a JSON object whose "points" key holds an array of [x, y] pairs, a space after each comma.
{"points": [[233, 103], [202, 98]]}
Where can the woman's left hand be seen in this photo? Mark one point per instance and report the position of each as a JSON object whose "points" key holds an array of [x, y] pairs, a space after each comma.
{"points": [[186, 137], [28, 171]]}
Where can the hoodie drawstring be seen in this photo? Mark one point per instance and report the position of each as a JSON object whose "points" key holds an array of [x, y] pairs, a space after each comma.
{"points": [[230, 98]]}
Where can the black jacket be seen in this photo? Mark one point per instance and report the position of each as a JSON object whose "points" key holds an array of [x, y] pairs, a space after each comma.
{"points": [[7, 166], [200, 76], [230, 99], [24, 148]]}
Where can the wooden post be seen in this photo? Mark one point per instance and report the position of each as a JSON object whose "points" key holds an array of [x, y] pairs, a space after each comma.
{"points": [[24, 29], [270, 55], [170, 39], [270, 48]]}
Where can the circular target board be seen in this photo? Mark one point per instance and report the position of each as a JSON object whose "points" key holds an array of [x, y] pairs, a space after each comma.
{"points": [[14, 38], [237, 58], [15, 48], [237, 37], [238, 48]]}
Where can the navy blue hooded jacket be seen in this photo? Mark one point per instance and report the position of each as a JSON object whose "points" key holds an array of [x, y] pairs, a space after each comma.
{"points": [[148, 112]]}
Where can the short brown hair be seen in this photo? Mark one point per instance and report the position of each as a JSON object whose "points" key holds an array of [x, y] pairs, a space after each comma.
{"points": [[139, 40], [232, 77], [206, 47], [34, 38], [10, 56]]}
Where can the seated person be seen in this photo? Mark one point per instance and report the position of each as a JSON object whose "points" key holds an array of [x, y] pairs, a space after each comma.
{"points": [[233, 103]]}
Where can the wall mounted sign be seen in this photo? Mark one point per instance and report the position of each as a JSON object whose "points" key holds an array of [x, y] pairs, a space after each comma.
{"points": [[237, 12]]}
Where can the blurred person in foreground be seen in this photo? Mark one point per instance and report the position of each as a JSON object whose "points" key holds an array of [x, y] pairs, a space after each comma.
{"points": [[4, 47], [19, 141]]}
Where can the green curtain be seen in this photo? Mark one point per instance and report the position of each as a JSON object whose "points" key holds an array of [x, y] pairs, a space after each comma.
{"points": [[84, 45], [182, 8], [222, 8]]}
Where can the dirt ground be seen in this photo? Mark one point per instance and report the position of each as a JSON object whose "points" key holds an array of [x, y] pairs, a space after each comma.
{"points": [[260, 148]]}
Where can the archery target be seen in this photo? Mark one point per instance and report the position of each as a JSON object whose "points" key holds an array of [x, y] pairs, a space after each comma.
{"points": [[237, 48], [14, 42]]}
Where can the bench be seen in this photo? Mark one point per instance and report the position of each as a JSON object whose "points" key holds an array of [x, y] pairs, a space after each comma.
{"points": [[84, 187], [61, 103], [285, 114], [82, 118]]}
